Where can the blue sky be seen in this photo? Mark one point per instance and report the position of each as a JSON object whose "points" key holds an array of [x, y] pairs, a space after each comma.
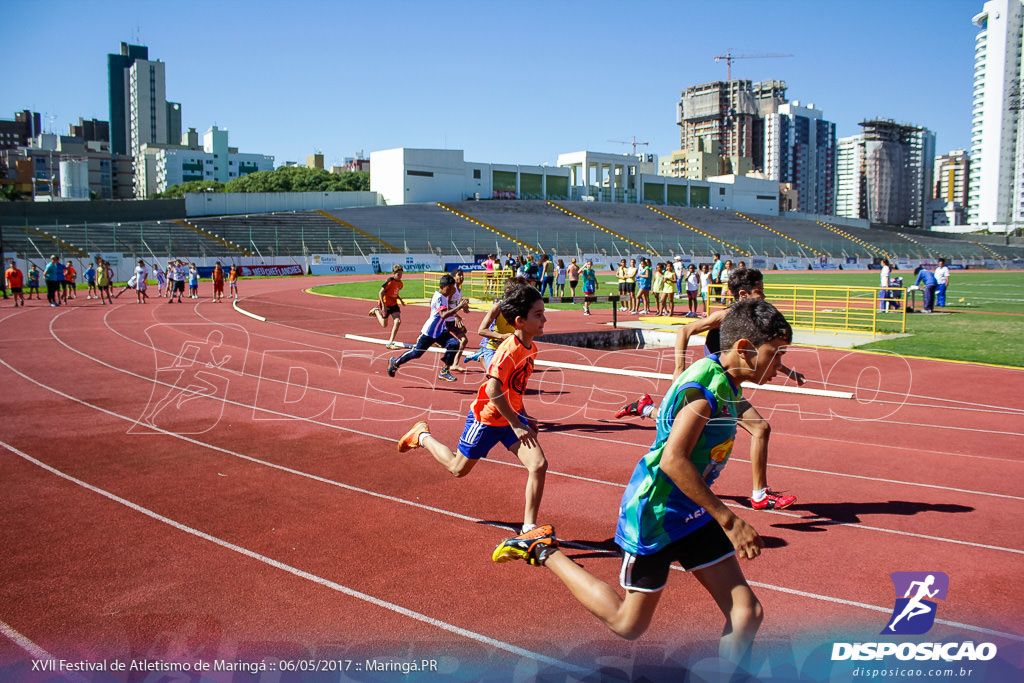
{"points": [[506, 82]]}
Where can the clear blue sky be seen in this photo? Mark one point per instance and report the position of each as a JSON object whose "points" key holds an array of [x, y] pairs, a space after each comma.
{"points": [[506, 82]]}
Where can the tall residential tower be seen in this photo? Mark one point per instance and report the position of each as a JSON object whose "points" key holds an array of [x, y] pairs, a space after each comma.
{"points": [[996, 196]]}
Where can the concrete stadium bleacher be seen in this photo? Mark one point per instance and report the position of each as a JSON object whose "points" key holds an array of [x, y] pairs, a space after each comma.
{"points": [[423, 228]]}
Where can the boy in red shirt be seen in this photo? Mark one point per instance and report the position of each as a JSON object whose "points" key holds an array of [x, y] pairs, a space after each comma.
{"points": [[497, 414]]}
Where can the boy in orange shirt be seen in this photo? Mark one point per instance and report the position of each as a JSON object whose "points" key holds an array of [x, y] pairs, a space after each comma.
{"points": [[218, 282], [497, 414], [387, 304], [15, 282]]}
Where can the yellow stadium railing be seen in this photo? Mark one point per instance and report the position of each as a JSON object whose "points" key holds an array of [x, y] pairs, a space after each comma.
{"points": [[820, 309]]}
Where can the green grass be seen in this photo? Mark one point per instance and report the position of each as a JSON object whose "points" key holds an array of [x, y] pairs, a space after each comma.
{"points": [[983, 321]]}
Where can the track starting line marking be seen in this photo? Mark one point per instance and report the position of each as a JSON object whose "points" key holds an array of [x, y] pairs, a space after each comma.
{"points": [[828, 393]]}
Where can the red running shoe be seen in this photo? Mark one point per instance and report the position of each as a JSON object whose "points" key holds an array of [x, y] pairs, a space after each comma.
{"points": [[636, 407], [773, 501]]}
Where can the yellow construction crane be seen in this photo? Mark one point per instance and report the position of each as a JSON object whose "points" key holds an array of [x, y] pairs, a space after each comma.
{"points": [[729, 56], [634, 143]]}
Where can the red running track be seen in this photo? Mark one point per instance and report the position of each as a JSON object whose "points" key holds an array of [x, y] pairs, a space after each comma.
{"points": [[183, 483]]}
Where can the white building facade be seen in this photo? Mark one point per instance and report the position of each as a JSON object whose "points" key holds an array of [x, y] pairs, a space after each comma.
{"points": [[996, 195]]}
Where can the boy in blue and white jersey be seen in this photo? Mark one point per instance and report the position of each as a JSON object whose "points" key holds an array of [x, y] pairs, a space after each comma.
{"points": [[435, 331]]}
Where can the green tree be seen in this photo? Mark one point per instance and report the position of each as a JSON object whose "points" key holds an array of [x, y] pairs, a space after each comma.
{"points": [[296, 179], [193, 186]]}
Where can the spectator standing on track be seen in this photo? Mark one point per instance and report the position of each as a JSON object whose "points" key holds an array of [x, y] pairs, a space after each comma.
{"points": [[141, 275], [668, 512], [724, 278], [90, 280], [177, 275], [54, 275], [743, 284], [193, 281], [631, 286], [573, 275], [103, 278], [233, 281], [589, 276], [435, 331], [692, 287], [388, 302], [883, 294], [643, 285], [218, 282], [33, 280], [70, 280], [716, 275], [161, 279], [677, 269], [705, 282], [942, 278], [547, 275], [926, 280], [620, 275], [560, 273], [667, 304], [15, 282], [497, 415]]}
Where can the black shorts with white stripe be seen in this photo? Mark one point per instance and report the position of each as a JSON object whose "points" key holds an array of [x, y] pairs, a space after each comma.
{"points": [[706, 546]]}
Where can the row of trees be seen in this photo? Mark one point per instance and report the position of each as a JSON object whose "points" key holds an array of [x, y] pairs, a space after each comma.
{"points": [[284, 179]]}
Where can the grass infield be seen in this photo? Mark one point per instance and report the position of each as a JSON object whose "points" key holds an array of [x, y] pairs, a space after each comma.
{"points": [[983, 321]]}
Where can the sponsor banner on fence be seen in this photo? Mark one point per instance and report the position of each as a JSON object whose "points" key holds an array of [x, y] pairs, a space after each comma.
{"points": [[264, 270], [342, 269], [411, 263]]}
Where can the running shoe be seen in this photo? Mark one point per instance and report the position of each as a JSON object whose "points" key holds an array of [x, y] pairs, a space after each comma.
{"points": [[475, 356], [411, 439], [447, 376], [392, 367], [372, 311], [635, 408], [773, 501], [534, 546]]}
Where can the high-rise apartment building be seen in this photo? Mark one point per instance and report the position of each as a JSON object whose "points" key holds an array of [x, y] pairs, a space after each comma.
{"points": [[996, 193], [885, 173], [800, 151], [851, 198], [117, 79], [951, 175], [730, 113]]}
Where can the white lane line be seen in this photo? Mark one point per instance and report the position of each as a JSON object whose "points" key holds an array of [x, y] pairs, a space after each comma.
{"points": [[817, 520], [479, 521], [234, 305], [302, 574], [642, 373]]}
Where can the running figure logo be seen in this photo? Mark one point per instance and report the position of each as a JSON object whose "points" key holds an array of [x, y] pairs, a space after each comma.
{"points": [[914, 612]]}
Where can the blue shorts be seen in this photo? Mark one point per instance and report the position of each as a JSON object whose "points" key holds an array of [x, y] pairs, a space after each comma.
{"points": [[478, 439], [486, 355]]}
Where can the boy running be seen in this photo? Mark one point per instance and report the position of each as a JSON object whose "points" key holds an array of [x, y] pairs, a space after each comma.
{"points": [[388, 302], [668, 512], [744, 283], [497, 414], [435, 331]]}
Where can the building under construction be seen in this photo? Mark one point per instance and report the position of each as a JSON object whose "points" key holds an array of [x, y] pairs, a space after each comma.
{"points": [[730, 113]]}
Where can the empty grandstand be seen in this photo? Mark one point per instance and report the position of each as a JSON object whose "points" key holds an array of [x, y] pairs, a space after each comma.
{"points": [[465, 229]]}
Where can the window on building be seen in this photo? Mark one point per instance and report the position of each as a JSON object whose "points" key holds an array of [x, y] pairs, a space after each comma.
{"points": [[476, 174], [423, 174]]}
